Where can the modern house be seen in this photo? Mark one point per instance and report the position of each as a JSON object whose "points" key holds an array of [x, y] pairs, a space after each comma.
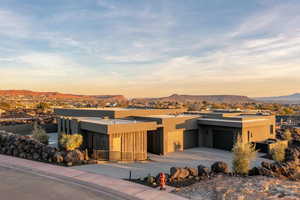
{"points": [[128, 134]]}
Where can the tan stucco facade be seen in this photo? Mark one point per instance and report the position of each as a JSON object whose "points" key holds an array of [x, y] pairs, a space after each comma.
{"points": [[130, 134]]}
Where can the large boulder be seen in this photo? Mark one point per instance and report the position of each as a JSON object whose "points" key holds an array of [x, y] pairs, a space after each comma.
{"points": [[254, 171], [220, 167], [75, 157], [192, 171], [178, 173], [36, 156], [203, 171], [292, 154], [58, 158], [266, 165]]}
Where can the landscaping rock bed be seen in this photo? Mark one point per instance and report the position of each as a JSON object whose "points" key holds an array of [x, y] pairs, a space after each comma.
{"points": [[183, 177], [287, 169], [28, 148]]}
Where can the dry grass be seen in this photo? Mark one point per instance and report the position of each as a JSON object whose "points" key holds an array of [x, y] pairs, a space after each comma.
{"points": [[278, 152], [243, 154], [40, 134]]}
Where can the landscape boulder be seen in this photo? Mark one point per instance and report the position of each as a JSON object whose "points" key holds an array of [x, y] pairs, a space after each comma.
{"points": [[292, 154], [203, 171], [266, 165], [220, 167], [58, 158], [178, 173], [74, 156], [192, 171]]}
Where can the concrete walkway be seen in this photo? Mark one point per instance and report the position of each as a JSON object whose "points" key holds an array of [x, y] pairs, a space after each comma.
{"points": [[100, 182]]}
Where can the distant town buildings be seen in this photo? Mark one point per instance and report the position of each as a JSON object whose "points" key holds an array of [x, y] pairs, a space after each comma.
{"points": [[1, 112]]}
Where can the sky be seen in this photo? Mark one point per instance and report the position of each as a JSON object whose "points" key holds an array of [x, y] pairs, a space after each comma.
{"points": [[147, 48]]}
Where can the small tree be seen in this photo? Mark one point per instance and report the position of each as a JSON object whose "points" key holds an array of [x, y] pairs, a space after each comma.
{"points": [[243, 153], [40, 134], [71, 142], [278, 152]]}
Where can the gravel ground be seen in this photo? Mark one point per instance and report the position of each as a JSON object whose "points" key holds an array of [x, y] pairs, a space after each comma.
{"points": [[190, 157], [237, 188]]}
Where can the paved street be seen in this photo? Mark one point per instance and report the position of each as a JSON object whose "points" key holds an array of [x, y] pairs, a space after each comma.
{"points": [[18, 185], [30, 180]]}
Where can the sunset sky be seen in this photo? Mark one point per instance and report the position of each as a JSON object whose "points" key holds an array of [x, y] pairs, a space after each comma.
{"points": [[143, 48]]}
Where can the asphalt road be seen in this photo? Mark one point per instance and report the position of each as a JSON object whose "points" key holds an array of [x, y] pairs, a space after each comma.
{"points": [[21, 185]]}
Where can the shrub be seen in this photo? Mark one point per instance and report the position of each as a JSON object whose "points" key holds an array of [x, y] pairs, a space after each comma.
{"points": [[39, 134], [243, 153], [71, 142], [278, 152], [287, 134]]}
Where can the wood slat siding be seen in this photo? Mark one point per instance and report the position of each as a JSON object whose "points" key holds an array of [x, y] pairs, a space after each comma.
{"points": [[133, 146]]}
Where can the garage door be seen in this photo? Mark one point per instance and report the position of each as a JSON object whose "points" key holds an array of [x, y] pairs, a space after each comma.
{"points": [[223, 140], [190, 139]]}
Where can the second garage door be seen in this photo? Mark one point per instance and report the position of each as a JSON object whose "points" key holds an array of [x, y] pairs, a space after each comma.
{"points": [[223, 140]]}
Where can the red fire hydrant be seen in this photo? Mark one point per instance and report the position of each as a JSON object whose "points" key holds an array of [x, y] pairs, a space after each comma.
{"points": [[162, 181]]}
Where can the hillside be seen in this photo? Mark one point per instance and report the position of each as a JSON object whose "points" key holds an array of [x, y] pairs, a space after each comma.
{"points": [[209, 98], [57, 95], [293, 98]]}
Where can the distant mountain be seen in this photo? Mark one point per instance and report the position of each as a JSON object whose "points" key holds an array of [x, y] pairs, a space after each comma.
{"points": [[293, 98], [209, 98], [57, 95]]}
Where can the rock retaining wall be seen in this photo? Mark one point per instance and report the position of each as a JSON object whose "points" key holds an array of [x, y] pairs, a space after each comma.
{"points": [[28, 148]]}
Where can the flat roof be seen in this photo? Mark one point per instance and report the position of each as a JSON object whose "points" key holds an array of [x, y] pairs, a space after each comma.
{"points": [[172, 116], [117, 109], [232, 120], [102, 108], [98, 120]]}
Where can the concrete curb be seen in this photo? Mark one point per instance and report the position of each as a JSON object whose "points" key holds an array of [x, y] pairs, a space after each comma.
{"points": [[131, 189]]}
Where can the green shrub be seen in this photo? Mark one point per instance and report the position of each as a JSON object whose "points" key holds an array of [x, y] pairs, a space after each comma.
{"points": [[243, 153], [278, 152], [71, 142], [39, 134]]}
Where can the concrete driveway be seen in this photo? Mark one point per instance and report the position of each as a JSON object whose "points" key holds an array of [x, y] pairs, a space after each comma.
{"points": [[190, 157]]}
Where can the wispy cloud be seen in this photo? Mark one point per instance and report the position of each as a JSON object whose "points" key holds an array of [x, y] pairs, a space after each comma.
{"points": [[12, 25]]}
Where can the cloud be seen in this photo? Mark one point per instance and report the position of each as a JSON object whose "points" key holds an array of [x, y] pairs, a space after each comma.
{"points": [[38, 65], [105, 4], [272, 20], [13, 25]]}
